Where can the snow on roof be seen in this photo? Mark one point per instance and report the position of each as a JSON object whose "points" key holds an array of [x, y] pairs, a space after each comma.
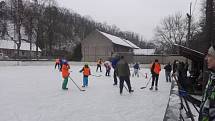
{"points": [[144, 51], [189, 49], [8, 44], [119, 41], [132, 44]]}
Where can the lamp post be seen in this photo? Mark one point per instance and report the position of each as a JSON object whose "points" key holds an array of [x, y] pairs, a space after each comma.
{"points": [[189, 16]]}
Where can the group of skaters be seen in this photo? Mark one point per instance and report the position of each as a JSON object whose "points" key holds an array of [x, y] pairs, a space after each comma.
{"points": [[63, 66], [107, 65], [120, 67]]}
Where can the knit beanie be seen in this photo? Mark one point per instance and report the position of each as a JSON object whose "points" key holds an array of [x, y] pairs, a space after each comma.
{"points": [[211, 51]]}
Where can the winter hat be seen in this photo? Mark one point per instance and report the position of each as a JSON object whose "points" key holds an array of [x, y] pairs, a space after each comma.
{"points": [[211, 51], [65, 61], [86, 65]]}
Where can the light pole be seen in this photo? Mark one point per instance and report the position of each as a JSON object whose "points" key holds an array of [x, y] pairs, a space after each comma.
{"points": [[189, 16], [209, 22]]}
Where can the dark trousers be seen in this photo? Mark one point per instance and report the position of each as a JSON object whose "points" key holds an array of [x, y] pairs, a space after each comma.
{"points": [[121, 84], [99, 66], [114, 77], [57, 65], [155, 79], [65, 81], [107, 72], [168, 77]]}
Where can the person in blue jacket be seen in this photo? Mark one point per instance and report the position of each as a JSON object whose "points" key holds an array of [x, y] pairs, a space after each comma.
{"points": [[114, 63], [136, 70]]}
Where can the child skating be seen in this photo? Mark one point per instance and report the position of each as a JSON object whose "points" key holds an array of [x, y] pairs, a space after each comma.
{"points": [[65, 74], [136, 70], [107, 65], [86, 73]]}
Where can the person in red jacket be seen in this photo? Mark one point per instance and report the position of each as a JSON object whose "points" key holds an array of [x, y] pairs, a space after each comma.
{"points": [[86, 73], [65, 74], [155, 70]]}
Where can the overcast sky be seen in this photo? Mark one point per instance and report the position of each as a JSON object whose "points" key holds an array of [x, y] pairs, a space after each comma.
{"points": [[140, 16]]}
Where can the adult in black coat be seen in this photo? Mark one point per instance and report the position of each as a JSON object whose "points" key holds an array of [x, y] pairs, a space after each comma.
{"points": [[168, 70]]}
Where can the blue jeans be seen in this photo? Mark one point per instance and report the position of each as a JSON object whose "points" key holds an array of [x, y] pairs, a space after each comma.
{"points": [[168, 77], [85, 81]]}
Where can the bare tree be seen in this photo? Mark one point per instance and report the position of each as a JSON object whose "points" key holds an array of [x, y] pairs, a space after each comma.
{"points": [[3, 22], [172, 30], [16, 10], [29, 23]]}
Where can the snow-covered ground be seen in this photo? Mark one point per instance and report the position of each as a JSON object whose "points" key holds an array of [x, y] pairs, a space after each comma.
{"points": [[33, 93]]}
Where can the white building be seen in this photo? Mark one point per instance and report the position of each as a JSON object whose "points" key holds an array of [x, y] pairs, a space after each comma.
{"points": [[9, 48]]}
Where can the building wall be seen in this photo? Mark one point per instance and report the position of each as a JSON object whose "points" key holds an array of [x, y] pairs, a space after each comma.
{"points": [[129, 56], [96, 46], [119, 48], [23, 53], [163, 59]]}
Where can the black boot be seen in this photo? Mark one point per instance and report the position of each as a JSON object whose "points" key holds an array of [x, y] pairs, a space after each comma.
{"points": [[151, 88], [130, 91]]}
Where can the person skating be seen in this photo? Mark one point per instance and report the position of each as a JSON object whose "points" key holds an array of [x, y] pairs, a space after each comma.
{"points": [[113, 63], [65, 74], [108, 68], [61, 63], [123, 72], [174, 68], [86, 73], [57, 63], [207, 108], [168, 69], [155, 70], [136, 70], [99, 65]]}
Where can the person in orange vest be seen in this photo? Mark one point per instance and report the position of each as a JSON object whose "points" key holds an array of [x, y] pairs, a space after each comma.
{"points": [[155, 70], [65, 74], [86, 73]]}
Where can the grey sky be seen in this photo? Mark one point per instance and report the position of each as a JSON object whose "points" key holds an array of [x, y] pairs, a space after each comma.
{"points": [[140, 16]]}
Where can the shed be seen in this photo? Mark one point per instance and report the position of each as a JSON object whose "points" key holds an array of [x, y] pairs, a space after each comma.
{"points": [[103, 45]]}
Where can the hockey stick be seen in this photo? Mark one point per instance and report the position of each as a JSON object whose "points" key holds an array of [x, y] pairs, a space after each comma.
{"points": [[76, 84], [125, 87], [96, 75], [146, 84]]}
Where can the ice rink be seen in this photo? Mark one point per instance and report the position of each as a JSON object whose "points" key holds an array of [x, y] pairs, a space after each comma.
{"points": [[33, 93]]}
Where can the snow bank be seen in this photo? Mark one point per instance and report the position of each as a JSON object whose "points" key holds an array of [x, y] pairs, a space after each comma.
{"points": [[39, 63], [173, 108], [49, 63], [173, 111]]}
